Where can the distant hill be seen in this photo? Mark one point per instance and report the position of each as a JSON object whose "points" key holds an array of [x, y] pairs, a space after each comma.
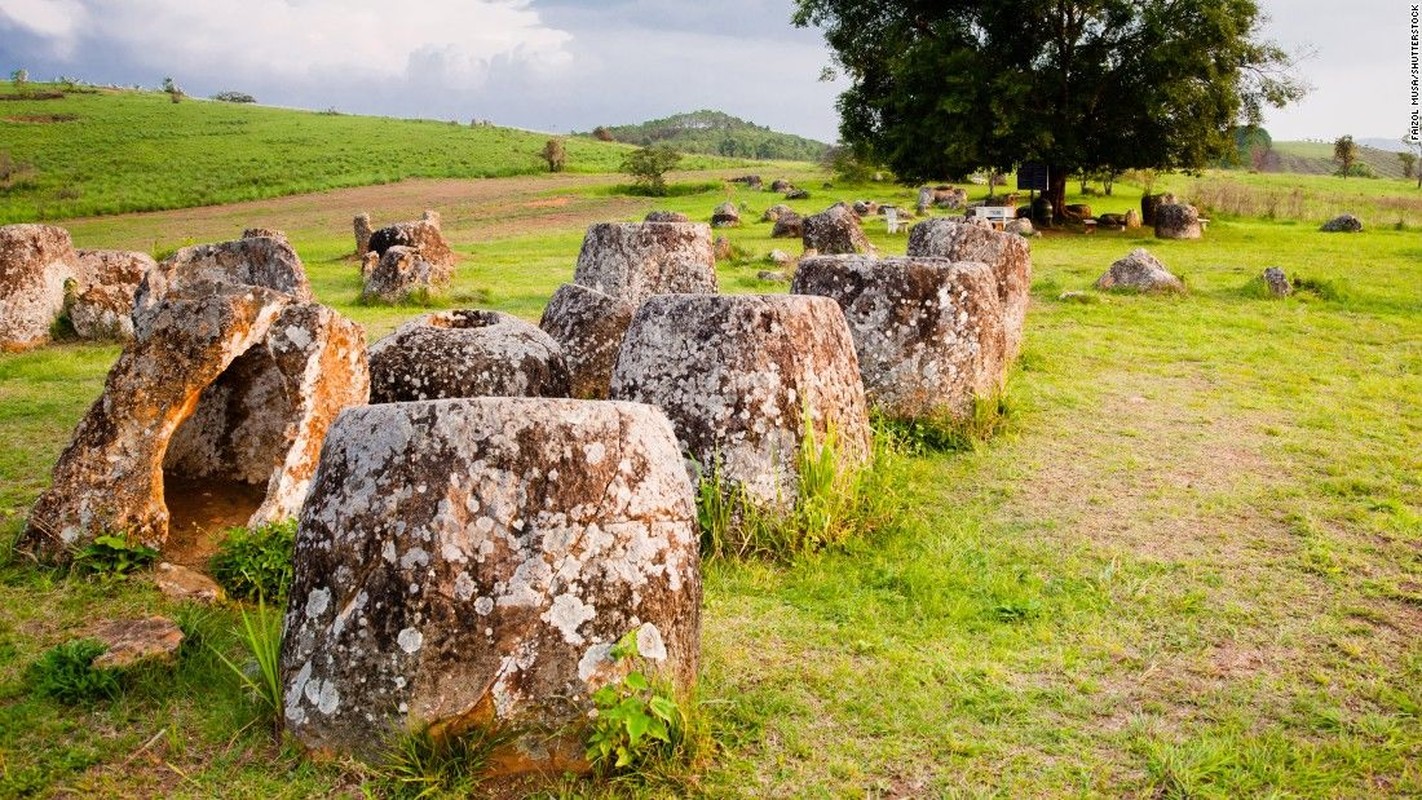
{"points": [[1316, 158], [715, 133]]}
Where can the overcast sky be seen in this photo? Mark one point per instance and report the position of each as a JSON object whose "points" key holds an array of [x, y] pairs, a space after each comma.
{"points": [[561, 65]]}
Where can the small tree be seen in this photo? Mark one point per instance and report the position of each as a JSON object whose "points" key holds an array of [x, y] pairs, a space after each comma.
{"points": [[20, 78], [554, 155], [602, 134], [1409, 164], [648, 165], [1345, 152]]}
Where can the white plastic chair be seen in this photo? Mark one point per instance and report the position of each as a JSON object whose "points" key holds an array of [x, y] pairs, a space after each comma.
{"points": [[891, 219]]}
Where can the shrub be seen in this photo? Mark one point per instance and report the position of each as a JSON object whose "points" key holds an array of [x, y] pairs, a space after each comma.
{"points": [[637, 720], [949, 434], [234, 97], [261, 675], [114, 556], [67, 674], [649, 165], [554, 155], [256, 563]]}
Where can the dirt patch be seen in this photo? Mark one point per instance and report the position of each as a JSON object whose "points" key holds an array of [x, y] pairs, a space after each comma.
{"points": [[42, 119], [200, 511], [552, 202]]}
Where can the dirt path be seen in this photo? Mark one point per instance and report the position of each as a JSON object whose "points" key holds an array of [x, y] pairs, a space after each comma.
{"points": [[472, 210]]}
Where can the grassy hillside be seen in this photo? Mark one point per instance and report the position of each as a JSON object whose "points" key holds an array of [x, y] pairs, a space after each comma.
{"points": [[109, 152], [717, 133], [1316, 158], [1191, 568]]}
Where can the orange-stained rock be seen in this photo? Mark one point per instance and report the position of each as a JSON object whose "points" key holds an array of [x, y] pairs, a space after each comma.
{"points": [[35, 263]]}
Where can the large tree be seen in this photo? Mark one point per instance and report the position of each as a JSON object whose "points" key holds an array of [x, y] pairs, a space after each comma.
{"points": [[943, 88]]}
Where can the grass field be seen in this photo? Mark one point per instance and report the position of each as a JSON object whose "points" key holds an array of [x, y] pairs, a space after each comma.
{"points": [[114, 151], [1192, 568]]}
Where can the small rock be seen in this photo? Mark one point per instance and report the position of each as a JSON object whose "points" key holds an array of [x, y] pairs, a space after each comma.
{"points": [[423, 234], [178, 583], [130, 641], [1343, 223], [1277, 282], [726, 215], [835, 230], [722, 248], [1141, 272], [666, 216], [788, 225], [403, 273], [772, 276], [781, 185], [797, 194], [779, 257], [1177, 221], [773, 213]]}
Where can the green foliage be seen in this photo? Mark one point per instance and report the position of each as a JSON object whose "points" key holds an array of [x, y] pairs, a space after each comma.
{"points": [[261, 676], [67, 674], [256, 563], [1409, 164], [834, 503], [948, 433], [420, 765], [950, 88], [1345, 152], [637, 719], [234, 97], [649, 165], [555, 155], [848, 165], [715, 133], [114, 556]]}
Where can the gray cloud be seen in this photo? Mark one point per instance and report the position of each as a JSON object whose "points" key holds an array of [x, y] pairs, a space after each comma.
{"points": [[564, 65]]}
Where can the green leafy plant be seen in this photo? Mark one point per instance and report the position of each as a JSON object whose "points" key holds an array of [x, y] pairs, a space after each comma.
{"points": [[114, 556], [67, 674], [945, 433], [637, 719], [253, 563], [648, 167], [423, 764], [261, 677]]}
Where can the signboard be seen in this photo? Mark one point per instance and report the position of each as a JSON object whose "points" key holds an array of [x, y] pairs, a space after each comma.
{"points": [[1032, 175]]}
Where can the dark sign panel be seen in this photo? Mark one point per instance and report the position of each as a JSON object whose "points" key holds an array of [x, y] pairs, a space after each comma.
{"points": [[1032, 175]]}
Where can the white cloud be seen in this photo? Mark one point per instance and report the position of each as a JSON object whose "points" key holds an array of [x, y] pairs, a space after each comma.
{"points": [[55, 20], [368, 39]]}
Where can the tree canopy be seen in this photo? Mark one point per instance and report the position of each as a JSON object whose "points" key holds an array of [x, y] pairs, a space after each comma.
{"points": [[941, 89]]}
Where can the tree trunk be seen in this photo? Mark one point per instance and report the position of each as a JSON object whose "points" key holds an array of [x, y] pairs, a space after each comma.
{"points": [[1056, 191]]}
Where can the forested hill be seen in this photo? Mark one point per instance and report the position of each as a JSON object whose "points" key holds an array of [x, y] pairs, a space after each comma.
{"points": [[715, 133]]}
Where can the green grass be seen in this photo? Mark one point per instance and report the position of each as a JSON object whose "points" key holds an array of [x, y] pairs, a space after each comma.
{"points": [[121, 151], [1191, 567]]}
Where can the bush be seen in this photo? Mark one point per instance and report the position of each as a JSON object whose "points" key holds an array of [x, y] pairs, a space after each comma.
{"points": [[114, 556], [256, 563], [649, 165], [67, 674], [425, 765], [234, 97], [554, 155]]}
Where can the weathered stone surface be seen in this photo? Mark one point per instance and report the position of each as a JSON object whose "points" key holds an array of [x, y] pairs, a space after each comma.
{"points": [[950, 197], [752, 182], [104, 311], [1116, 221], [1142, 272], [741, 376], [634, 261], [1020, 226], [865, 208], [129, 641], [929, 332], [666, 216], [423, 234], [723, 249], [773, 213], [726, 215], [797, 194], [1077, 211], [180, 584], [1277, 282], [260, 261], [588, 327], [360, 225], [267, 233], [772, 276], [781, 185], [471, 562], [1343, 223], [228, 381], [788, 225], [402, 273], [35, 262], [466, 353], [780, 258], [1008, 255], [1177, 221], [1133, 219], [835, 230]]}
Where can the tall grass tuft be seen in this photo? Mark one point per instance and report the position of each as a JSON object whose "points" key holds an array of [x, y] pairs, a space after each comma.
{"points": [[947, 433], [422, 764], [261, 677], [836, 501]]}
